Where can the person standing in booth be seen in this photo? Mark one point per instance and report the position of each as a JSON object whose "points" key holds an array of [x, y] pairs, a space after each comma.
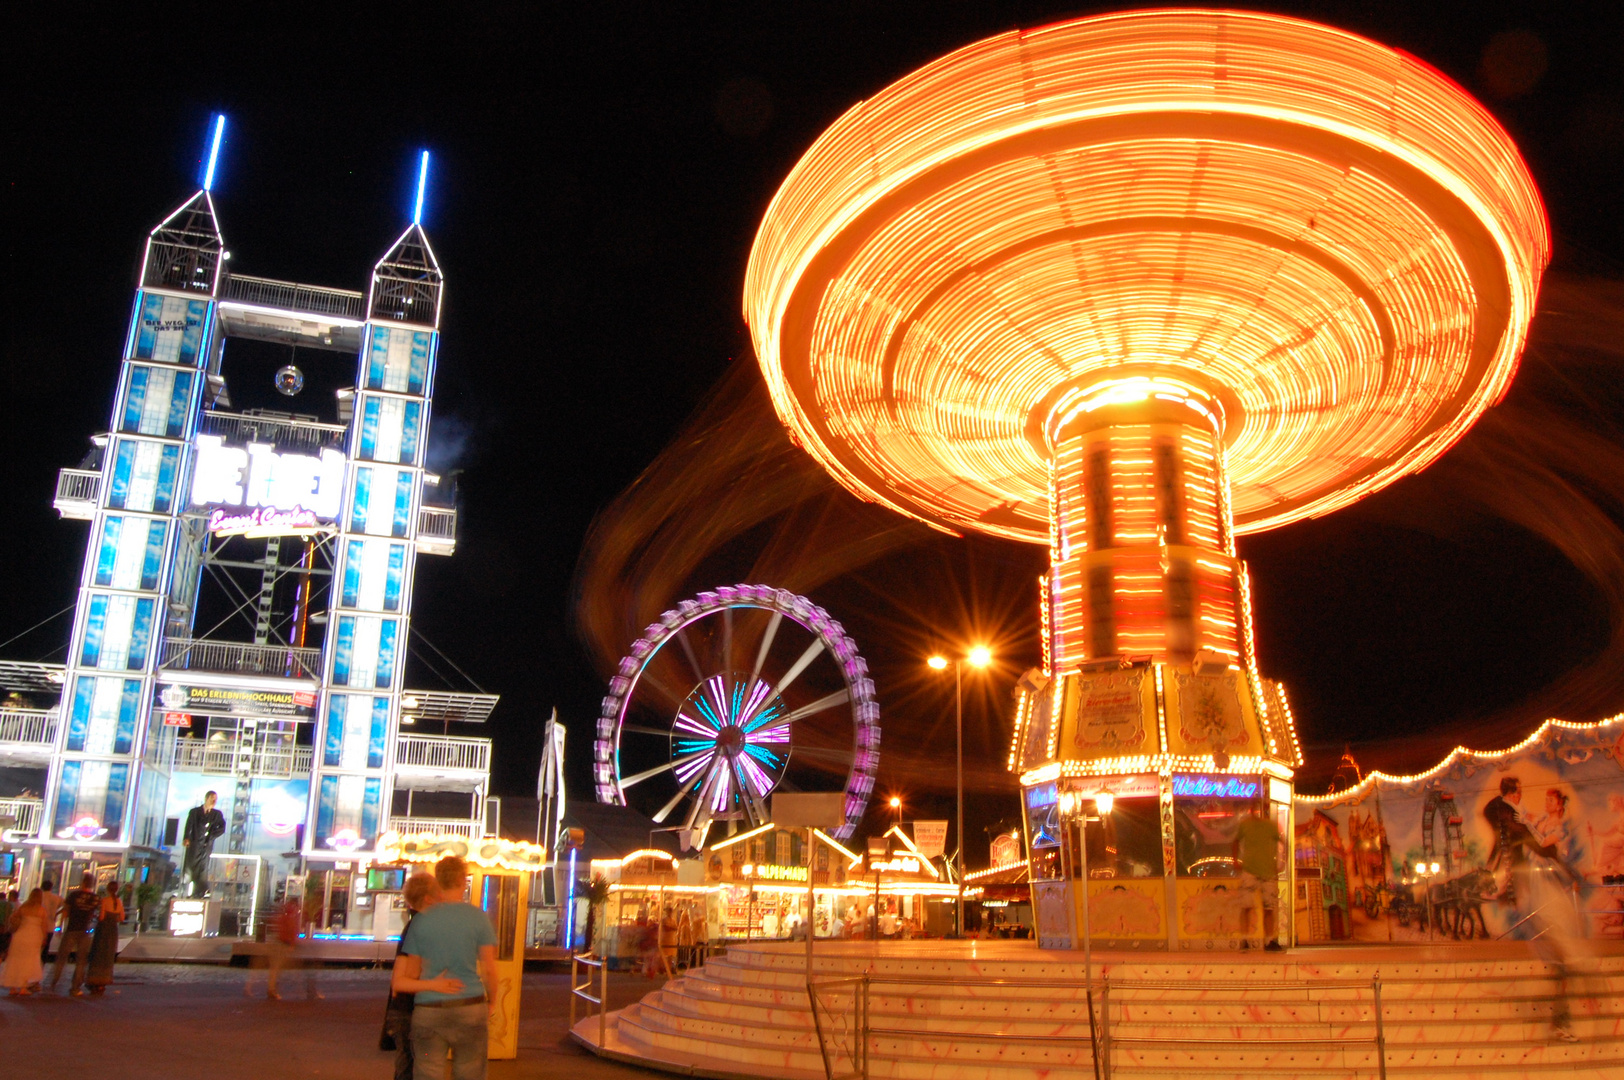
{"points": [[204, 825]]}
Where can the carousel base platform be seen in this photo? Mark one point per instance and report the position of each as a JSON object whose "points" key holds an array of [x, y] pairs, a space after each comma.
{"points": [[1006, 1010]]}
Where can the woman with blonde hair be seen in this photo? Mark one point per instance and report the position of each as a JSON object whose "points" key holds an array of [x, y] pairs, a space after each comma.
{"points": [[104, 945], [23, 969]]}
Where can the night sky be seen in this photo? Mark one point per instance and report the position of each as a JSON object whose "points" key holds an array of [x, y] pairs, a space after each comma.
{"points": [[599, 173]]}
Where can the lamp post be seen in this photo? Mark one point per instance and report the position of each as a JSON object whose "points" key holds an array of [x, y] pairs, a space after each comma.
{"points": [[1069, 802], [896, 810], [979, 657], [1426, 872]]}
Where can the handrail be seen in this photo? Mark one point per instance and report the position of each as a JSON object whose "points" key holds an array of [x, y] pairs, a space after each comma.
{"points": [[857, 1051], [439, 522], [27, 813], [578, 990], [35, 727], [293, 296], [472, 828], [287, 433], [443, 752], [1100, 1039], [197, 654]]}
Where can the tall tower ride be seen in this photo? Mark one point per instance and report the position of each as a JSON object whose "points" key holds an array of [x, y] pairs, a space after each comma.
{"points": [[245, 605]]}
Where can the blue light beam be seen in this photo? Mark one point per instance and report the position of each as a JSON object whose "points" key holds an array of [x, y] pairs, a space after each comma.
{"points": [[214, 151], [422, 185]]}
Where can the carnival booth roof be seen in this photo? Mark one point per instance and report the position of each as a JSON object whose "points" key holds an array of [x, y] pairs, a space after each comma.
{"points": [[612, 832]]}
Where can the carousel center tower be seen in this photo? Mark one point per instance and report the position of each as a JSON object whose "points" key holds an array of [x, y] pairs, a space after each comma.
{"points": [[1131, 285]]}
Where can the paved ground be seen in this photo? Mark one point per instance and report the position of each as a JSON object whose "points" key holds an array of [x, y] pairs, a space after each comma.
{"points": [[193, 1022]]}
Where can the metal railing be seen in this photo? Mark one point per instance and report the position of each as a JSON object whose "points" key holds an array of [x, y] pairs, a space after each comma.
{"points": [[472, 829], [77, 490], [291, 296], [443, 752], [578, 990], [25, 815], [221, 759], [188, 654], [839, 1031], [1100, 1037], [287, 433], [439, 522], [31, 727]]}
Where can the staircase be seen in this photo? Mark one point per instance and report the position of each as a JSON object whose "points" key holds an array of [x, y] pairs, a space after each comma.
{"points": [[1008, 1011]]}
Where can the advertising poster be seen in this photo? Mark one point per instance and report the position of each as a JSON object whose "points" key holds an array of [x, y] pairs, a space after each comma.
{"points": [[1108, 714], [231, 701], [1210, 714], [1035, 743], [930, 837], [169, 328], [1546, 818]]}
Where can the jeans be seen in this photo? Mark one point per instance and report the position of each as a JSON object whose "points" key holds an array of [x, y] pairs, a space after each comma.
{"points": [[462, 1030], [78, 943]]}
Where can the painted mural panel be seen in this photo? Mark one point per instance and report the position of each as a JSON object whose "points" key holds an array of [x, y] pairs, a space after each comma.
{"points": [[1553, 806]]}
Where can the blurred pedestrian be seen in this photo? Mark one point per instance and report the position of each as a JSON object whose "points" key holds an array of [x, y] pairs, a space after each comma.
{"points": [[421, 893], [23, 969], [80, 907], [8, 904], [283, 945], [53, 907], [1542, 886], [104, 946], [1257, 849], [447, 952]]}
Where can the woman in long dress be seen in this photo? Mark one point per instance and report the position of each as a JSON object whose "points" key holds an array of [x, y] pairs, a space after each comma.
{"points": [[104, 946], [23, 969]]}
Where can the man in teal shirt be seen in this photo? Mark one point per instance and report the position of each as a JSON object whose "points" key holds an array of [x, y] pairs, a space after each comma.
{"points": [[448, 959]]}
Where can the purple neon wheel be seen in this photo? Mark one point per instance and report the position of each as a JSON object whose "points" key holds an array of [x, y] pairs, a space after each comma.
{"points": [[764, 691]]}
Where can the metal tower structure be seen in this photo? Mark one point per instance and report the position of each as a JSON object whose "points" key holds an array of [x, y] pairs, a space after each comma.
{"points": [[245, 604]]}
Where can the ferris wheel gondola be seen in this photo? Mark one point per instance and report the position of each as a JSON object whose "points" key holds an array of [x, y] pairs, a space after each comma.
{"points": [[764, 691]]}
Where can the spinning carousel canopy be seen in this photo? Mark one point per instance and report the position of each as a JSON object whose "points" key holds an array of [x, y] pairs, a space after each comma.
{"points": [[1326, 236]]}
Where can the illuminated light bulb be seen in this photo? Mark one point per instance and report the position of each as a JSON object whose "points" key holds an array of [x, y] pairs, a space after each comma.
{"points": [[1104, 801], [980, 656], [939, 663]]}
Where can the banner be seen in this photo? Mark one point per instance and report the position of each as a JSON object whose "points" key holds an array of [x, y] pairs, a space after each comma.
{"points": [[1554, 806], [930, 837], [224, 701]]}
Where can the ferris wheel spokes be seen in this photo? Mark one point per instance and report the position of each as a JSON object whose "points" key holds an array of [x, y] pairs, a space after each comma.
{"points": [[731, 738]]}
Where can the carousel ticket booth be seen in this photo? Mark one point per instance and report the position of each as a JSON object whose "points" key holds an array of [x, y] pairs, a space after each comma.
{"points": [[1157, 799]]}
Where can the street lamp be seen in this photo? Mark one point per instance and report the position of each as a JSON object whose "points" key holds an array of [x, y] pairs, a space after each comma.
{"points": [[1426, 872], [978, 657], [896, 810], [1070, 803]]}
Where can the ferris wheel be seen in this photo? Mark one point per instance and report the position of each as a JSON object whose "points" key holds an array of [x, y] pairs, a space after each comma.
{"points": [[764, 690]]}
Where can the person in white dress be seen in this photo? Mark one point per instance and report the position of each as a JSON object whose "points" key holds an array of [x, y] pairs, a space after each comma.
{"points": [[23, 970]]}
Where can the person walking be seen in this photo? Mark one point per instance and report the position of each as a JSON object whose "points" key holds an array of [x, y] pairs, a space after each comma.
{"points": [[421, 893], [23, 969], [1257, 849], [80, 907], [104, 946], [445, 953], [53, 908]]}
